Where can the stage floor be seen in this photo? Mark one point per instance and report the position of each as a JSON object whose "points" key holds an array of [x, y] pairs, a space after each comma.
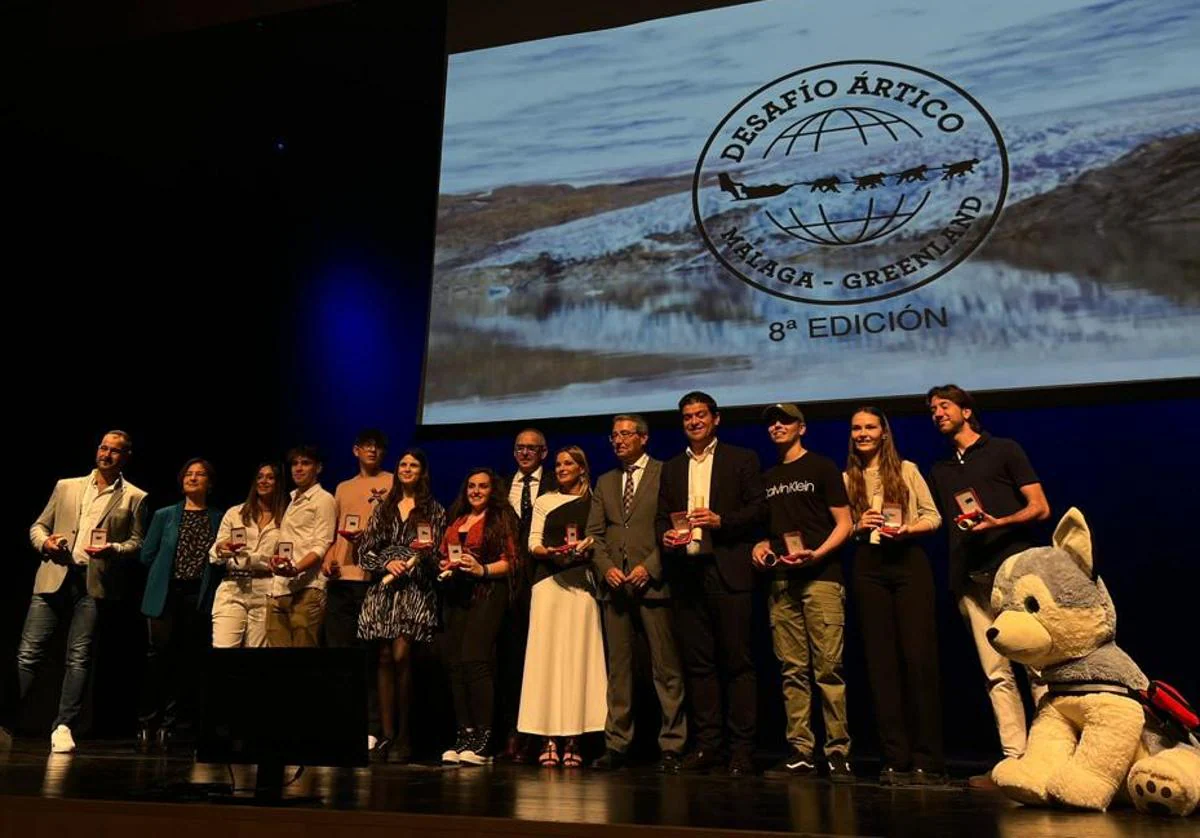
{"points": [[114, 791]]}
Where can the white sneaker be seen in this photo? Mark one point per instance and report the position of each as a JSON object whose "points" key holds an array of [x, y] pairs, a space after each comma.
{"points": [[371, 742], [61, 740], [450, 757]]}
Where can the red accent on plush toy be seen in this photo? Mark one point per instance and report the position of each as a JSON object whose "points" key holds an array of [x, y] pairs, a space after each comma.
{"points": [[1166, 701]]}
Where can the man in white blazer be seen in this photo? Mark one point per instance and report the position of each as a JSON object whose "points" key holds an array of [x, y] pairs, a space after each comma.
{"points": [[88, 537]]}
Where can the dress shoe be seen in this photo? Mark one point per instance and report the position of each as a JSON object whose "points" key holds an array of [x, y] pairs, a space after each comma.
{"points": [[700, 761], [669, 764], [889, 776], [610, 761], [925, 777], [741, 765]]}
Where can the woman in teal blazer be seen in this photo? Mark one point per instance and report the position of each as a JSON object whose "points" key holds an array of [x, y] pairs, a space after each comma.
{"points": [[178, 607]]}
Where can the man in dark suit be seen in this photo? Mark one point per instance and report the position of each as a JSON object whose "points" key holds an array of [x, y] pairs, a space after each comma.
{"points": [[634, 592], [720, 488], [529, 483]]}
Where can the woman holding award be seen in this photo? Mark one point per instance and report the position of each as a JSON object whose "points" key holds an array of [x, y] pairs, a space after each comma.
{"points": [[246, 541], [479, 560], [401, 608], [891, 505], [563, 694], [177, 602]]}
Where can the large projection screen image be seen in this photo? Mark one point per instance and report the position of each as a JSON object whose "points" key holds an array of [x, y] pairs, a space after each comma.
{"points": [[818, 201]]}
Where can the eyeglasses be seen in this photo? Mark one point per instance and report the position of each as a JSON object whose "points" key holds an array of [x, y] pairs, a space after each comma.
{"points": [[619, 435], [528, 449]]}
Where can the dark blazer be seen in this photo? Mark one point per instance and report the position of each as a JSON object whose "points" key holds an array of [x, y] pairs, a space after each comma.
{"points": [[158, 554], [736, 494], [548, 483], [627, 542]]}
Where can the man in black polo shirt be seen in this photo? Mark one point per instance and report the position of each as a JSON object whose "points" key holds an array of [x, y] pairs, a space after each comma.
{"points": [[807, 593], [1005, 486]]}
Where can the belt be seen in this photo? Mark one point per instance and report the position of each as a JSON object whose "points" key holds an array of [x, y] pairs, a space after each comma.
{"points": [[248, 574]]}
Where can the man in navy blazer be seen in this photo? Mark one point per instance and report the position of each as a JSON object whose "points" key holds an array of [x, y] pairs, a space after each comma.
{"points": [[720, 488]]}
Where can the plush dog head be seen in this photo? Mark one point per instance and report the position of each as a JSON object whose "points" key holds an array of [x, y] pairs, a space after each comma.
{"points": [[1050, 605]]}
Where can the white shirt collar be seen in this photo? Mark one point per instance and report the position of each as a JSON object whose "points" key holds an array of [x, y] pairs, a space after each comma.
{"points": [[703, 455], [111, 486], [307, 493]]}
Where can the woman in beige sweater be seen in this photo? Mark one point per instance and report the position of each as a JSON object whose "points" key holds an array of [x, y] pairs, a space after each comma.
{"points": [[891, 506]]}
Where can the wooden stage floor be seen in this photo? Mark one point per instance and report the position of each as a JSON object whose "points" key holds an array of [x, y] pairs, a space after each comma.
{"points": [[106, 790]]}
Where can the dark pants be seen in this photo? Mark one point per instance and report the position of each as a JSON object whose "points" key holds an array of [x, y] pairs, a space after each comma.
{"points": [[469, 649], [626, 616], [514, 634], [176, 659], [343, 603], [894, 587], [713, 625], [70, 603]]}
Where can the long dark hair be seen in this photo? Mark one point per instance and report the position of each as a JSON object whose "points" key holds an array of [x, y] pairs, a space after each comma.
{"points": [[894, 488], [501, 525], [276, 504], [422, 493]]}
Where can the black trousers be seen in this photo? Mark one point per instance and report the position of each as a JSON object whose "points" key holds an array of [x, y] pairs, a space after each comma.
{"points": [[894, 587], [514, 635], [343, 602], [713, 627], [176, 657], [469, 650]]}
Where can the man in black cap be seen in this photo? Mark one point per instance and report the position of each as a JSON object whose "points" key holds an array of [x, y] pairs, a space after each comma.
{"points": [[809, 522]]}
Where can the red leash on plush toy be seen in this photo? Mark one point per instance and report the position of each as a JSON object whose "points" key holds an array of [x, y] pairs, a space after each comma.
{"points": [[1170, 708]]}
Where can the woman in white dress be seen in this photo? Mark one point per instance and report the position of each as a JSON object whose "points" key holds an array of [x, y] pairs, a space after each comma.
{"points": [[564, 691]]}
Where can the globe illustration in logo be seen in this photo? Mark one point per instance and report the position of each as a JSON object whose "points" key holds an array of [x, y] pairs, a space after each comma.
{"points": [[889, 205], [849, 181]]}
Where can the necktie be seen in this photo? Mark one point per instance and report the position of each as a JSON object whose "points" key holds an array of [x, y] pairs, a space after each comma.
{"points": [[627, 494], [526, 502]]}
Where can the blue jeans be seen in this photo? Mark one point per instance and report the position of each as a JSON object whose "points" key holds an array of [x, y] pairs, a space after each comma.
{"points": [[71, 603]]}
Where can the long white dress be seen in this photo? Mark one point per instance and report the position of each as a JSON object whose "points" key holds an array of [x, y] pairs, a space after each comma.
{"points": [[565, 686]]}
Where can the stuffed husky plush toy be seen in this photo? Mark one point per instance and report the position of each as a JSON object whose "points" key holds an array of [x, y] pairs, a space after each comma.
{"points": [[1092, 734]]}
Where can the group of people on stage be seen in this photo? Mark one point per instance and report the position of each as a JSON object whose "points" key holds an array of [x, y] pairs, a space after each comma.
{"points": [[557, 570]]}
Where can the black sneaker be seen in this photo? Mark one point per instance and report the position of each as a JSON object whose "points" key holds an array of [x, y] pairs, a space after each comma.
{"points": [[839, 768], [797, 765], [451, 755], [889, 776], [479, 748]]}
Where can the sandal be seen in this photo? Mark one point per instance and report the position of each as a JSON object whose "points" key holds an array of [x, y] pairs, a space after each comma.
{"points": [[549, 757], [571, 758]]}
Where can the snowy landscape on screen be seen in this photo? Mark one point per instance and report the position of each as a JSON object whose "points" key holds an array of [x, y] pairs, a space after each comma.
{"points": [[570, 277]]}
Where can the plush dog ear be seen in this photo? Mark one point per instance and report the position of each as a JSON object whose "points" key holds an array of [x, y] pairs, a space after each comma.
{"points": [[1072, 534]]}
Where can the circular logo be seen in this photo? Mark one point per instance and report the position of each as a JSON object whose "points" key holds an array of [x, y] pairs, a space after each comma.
{"points": [[848, 182]]}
